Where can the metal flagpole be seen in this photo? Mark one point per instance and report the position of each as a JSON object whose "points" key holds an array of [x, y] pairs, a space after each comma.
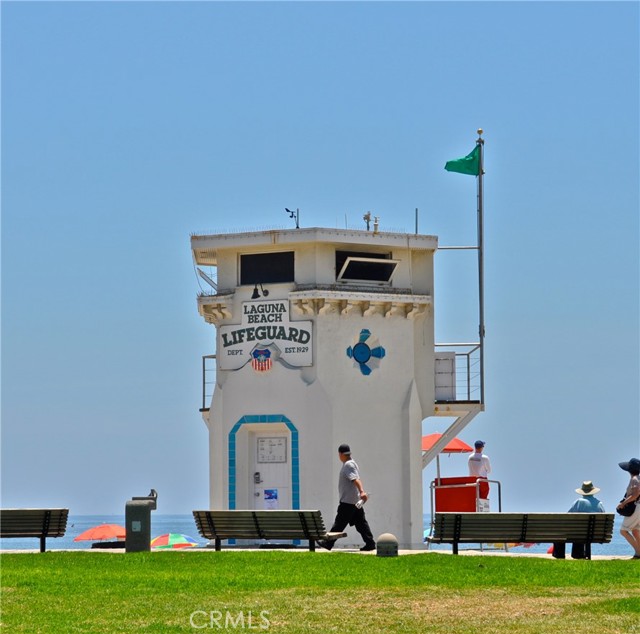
{"points": [[480, 144]]}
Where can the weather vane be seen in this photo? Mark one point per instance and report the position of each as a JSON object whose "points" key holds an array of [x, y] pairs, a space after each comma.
{"points": [[294, 214]]}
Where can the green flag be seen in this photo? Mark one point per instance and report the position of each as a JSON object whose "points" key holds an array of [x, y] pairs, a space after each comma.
{"points": [[470, 164]]}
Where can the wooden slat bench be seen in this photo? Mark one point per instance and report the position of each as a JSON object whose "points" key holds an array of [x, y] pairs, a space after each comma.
{"points": [[40, 523], [219, 525], [538, 528]]}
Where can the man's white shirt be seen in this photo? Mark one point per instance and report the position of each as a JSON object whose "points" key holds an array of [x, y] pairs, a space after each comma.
{"points": [[479, 465]]}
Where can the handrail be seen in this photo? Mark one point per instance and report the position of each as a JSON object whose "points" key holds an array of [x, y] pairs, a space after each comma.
{"points": [[433, 486], [475, 484], [466, 381], [206, 394]]}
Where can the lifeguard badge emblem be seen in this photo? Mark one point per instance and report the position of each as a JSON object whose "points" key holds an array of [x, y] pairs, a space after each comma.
{"points": [[366, 352], [261, 360]]}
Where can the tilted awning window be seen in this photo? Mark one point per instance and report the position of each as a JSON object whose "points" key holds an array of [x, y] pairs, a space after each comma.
{"points": [[367, 269]]}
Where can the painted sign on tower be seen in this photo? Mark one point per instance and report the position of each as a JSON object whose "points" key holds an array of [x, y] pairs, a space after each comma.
{"points": [[265, 328]]}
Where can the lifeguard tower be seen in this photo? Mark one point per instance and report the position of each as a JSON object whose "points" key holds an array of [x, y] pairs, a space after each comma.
{"points": [[325, 336]]}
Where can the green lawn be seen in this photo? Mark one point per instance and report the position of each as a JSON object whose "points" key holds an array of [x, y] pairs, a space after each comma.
{"points": [[316, 592]]}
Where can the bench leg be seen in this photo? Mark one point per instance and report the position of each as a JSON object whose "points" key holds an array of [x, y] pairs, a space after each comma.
{"points": [[43, 543], [587, 550], [312, 545], [455, 548], [218, 544]]}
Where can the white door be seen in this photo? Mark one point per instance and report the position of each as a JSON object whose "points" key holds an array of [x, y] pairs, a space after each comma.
{"points": [[270, 477], [445, 376]]}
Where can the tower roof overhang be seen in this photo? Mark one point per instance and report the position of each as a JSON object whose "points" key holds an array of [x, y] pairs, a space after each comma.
{"points": [[205, 247]]}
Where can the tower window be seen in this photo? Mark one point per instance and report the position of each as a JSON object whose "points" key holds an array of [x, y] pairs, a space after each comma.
{"points": [[364, 267], [267, 268]]}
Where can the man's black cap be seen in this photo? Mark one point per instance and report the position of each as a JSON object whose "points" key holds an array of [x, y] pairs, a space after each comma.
{"points": [[344, 449]]}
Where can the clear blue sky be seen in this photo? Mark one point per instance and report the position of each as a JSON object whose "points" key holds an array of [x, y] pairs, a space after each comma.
{"points": [[127, 126]]}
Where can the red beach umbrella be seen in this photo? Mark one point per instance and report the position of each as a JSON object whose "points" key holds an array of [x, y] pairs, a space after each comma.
{"points": [[455, 445], [103, 531]]}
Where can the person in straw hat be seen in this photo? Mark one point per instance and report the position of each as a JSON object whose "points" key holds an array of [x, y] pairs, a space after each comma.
{"points": [[586, 503]]}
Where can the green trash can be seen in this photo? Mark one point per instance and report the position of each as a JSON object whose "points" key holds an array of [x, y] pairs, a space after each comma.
{"points": [[137, 520]]}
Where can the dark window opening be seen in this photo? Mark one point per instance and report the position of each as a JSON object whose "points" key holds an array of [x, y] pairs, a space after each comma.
{"points": [[266, 268], [341, 257], [364, 267]]}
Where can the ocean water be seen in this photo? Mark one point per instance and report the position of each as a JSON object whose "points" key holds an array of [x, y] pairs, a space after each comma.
{"points": [[185, 524], [77, 524]]}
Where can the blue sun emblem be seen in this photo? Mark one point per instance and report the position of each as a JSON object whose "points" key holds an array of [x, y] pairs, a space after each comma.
{"points": [[366, 352]]}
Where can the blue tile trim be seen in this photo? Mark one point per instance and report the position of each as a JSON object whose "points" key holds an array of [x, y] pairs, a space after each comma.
{"points": [[295, 455]]}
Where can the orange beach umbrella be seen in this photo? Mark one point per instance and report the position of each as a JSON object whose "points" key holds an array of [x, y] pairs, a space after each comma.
{"points": [[103, 531], [455, 445]]}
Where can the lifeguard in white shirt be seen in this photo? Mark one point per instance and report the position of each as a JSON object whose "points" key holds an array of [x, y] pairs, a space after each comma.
{"points": [[479, 464]]}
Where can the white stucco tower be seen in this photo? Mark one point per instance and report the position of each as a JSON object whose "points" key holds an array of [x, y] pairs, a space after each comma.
{"points": [[323, 337]]}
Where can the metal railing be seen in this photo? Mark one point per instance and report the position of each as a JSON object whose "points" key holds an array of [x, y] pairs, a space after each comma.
{"points": [[468, 370], [208, 380], [474, 485]]}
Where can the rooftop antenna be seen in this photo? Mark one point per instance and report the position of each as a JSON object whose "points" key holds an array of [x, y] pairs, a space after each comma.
{"points": [[294, 214], [367, 219]]}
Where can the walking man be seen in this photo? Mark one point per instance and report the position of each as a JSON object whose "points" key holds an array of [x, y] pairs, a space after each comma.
{"points": [[351, 492]]}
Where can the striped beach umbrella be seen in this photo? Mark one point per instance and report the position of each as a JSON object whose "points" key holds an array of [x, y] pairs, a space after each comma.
{"points": [[173, 540]]}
